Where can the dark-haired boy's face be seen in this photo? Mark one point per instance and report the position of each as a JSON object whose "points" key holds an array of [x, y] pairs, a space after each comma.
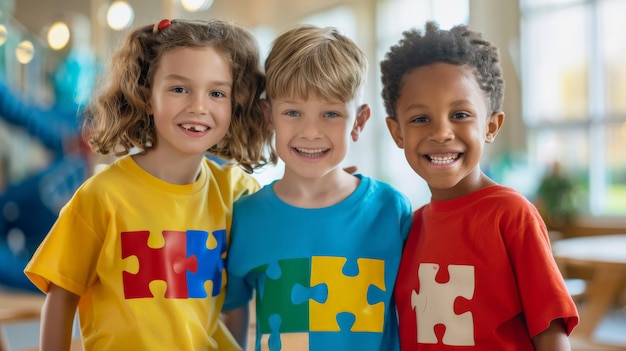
{"points": [[442, 125]]}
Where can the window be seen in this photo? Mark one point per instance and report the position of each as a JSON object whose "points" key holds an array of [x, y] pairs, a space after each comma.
{"points": [[573, 88]]}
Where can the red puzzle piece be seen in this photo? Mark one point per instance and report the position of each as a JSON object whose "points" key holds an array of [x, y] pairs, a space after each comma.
{"points": [[168, 263]]}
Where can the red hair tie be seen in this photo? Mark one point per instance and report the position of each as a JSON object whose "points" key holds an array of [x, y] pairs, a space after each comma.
{"points": [[164, 23]]}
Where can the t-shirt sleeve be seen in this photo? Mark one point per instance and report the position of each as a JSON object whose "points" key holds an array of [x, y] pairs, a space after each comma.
{"points": [[68, 254], [245, 184], [542, 289], [406, 217], [238, 293]]}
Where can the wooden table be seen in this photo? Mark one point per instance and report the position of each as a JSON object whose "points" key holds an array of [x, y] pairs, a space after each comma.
{"points": [[606, 255], [18, 307]]}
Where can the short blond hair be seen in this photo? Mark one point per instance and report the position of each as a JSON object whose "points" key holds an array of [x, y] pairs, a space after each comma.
{"points": [[308, 60]]}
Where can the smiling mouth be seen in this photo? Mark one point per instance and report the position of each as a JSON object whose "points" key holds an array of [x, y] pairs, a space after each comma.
{"points": [[197, 128], [312, 153], [443, 159]]}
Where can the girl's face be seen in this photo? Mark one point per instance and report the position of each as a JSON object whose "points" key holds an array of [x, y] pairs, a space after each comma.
{"points": [[442, 125], [191, 100]]}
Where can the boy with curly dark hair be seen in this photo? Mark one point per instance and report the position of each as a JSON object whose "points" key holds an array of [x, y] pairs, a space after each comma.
{"points": [[477, 271]]}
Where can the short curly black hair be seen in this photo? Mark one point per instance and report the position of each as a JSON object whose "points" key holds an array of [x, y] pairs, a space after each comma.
{"points": [[457, 46]]}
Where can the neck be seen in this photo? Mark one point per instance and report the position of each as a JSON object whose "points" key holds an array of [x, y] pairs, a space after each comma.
{"points": [[174, 170], [319, 192]]}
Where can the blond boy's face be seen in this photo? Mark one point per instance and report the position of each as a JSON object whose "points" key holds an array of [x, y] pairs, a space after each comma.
{"points": [[313, 135], [442, 125]]}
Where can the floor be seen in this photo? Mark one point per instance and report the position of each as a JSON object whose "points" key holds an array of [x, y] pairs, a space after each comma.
{"points": [[612, 330]]}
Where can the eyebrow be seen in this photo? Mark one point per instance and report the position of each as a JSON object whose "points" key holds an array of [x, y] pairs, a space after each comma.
{"points": [[296, 101], [175, 76], [453, 104]]}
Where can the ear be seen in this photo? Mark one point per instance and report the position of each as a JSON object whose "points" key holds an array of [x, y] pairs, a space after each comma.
{"points": [[494, 122], [267, 113], [362, 116], [394, 129]]}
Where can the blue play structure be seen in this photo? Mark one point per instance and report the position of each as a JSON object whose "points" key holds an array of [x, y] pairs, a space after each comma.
{"points": [[30, 202], [29, 207]]}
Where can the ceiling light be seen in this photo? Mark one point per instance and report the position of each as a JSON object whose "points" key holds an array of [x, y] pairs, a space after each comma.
{"points": [[25, 52], [58, 35], [120, 15], [3, 34], [196, 5]]}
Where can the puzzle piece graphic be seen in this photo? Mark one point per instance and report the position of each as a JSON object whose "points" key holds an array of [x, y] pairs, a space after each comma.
{"points": [[184, 263], [298, 298], [434, 305], [355, 294], [209, 260], [276, 341], [274, 296], [168, 263]]}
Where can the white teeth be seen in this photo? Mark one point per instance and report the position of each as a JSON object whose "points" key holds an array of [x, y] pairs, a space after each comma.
{"points": [[311, 152], [443, 159], [194, 127]]}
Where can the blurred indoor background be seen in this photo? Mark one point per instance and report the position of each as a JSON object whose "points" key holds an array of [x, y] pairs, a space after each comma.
{"points": [[562, 145]]}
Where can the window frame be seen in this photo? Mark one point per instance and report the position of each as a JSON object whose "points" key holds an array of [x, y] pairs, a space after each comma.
{"points": [[597, 115]]}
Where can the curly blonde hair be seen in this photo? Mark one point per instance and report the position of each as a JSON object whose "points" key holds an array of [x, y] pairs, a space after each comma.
{"points": [[117, 120]]}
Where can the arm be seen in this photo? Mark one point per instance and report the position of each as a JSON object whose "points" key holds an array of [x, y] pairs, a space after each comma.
{"points": [[57, 316], [237, 321], [553, 339]]}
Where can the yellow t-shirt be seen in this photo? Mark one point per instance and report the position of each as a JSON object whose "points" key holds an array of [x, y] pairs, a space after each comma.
{"points": [[130, 245]]}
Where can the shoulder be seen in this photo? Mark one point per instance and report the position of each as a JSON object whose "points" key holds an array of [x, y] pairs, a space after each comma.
{"points": [[383, 189], [230, 176], [379, 194], [253, 200], [509, 198], [114, 174], [510, 208], [93, 193]]}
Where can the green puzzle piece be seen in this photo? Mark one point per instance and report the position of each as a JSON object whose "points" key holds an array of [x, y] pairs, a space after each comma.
{"points": [[275, 295]]}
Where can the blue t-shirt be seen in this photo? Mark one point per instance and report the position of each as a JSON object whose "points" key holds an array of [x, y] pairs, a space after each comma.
{"points": [[323, 277]]}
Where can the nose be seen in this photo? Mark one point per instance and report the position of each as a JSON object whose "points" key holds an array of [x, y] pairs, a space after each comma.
{"points": [[198, 104], [311, 128], [441, 131]]}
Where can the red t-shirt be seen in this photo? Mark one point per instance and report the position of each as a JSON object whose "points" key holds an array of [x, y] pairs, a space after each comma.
{"points": [[477, 273]]}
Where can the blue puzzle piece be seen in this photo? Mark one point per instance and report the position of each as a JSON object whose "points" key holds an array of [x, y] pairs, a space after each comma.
{"points": [[210, 262], [274, 342], [301, 294], [345, 320], [376, 295], [273, 270], [351, 268]]}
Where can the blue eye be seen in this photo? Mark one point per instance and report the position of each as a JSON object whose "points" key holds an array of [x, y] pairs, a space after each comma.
{"points": [[331, 114], [179, 90], [460, 115], [292, 113], [217, 94]]}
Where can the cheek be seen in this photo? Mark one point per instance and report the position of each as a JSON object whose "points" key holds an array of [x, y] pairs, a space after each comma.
{"points": [[281, 137], [223, 113]]}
